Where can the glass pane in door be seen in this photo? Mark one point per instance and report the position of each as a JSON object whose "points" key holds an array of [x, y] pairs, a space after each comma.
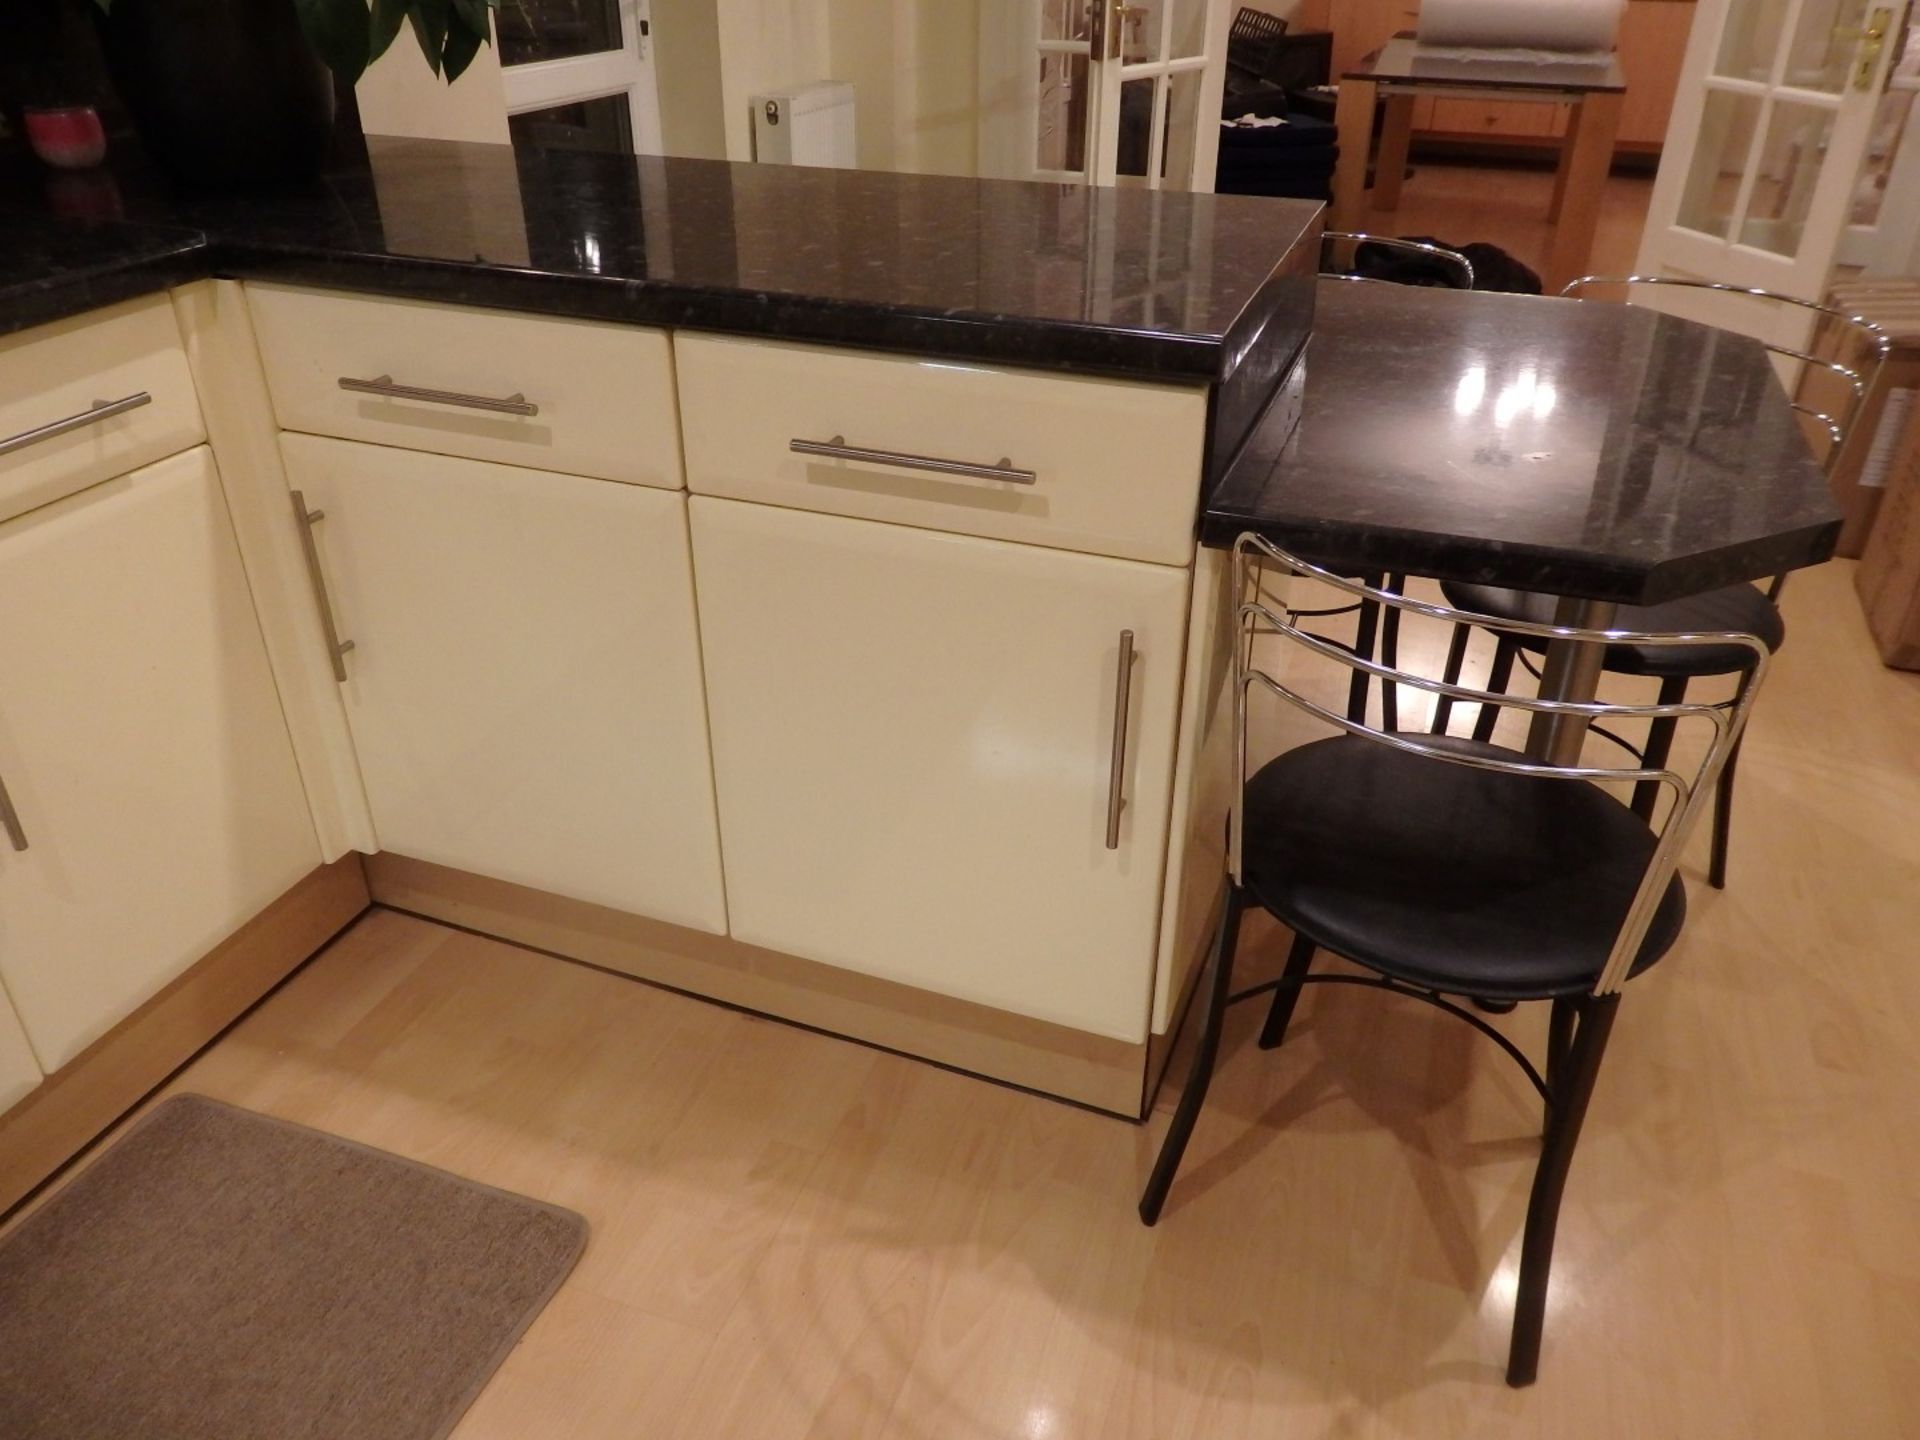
{"points": [[1136, 125], [1883, 150], [1824, 44], [1750, 39], [1139, 32], [1063, 112], [603, 124], [1064, 19], [1186, 28], [531, 30], [1727, 126], [1788, 170], [1178, 151]]}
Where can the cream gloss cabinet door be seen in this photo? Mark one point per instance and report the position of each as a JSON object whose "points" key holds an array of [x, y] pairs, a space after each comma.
{"points": [[913, 746], [524, 685], [143, 747], [19, 1071]]}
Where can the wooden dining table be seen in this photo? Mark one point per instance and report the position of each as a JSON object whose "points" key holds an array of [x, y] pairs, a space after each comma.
{"points": [[1602, 453], [1402, 71]]}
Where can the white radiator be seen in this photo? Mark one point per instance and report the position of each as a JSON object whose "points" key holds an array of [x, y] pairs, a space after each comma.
{"points": [[807, 125]]}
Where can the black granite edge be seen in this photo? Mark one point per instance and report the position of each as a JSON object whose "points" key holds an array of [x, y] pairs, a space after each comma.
{"points": [[1758, 560], [1479, 561], [33, 303], [1253, 374], [1068, 346]]}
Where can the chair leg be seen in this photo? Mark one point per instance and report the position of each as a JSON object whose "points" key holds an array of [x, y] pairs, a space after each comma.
{"points": [[1390, 656], [1456, 662], [1570, 1097], [1559, 1036], [1299, 961], [1366, 628], [1659, 745], [1723, 818], [1205, 1051], [1497, 681]]}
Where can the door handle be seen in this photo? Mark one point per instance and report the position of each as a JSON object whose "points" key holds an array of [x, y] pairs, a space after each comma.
{"points": [[838, 449], [337, 648], [1873, 40], [92, 415], [1103, 33], [1117, 765], [387, 388]]}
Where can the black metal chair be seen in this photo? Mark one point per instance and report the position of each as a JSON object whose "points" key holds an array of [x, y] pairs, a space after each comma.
{"points": [[1450, 867], [1448, 263], [1740, 608]]}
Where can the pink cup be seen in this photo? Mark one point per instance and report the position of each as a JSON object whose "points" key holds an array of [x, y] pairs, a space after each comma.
{"points": [[69, 137]]}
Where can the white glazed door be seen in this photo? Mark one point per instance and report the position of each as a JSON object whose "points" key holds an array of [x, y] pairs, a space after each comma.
{"points": [[1041, 82], [1159, 114], [914, 747], [19, 1071], [142, 744], [1770, 127], [1089, 90], [562, 53], [524, 685]]}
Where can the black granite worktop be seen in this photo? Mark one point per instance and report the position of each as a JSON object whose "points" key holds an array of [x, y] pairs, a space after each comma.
{"points": [[50, 269], [1586, 449], [1158, 285]]}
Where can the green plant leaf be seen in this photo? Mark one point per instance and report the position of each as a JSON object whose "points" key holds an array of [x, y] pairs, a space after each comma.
{"points": [[340, 33], [388, 17], [430, 19], [463, 43], [474, 15]]}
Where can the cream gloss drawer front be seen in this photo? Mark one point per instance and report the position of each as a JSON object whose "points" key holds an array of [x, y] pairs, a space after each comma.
{"points": [[86, 399], [1102, 466], [540, 392]]}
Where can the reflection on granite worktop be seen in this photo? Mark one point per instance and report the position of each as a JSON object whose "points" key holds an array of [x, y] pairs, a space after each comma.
{"points": [[1153, 283], [1587, 449]]}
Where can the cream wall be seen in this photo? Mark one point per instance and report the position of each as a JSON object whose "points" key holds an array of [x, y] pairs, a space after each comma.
{"points": [[400, 95], [686, 67], [767, 45], [913, 67]]}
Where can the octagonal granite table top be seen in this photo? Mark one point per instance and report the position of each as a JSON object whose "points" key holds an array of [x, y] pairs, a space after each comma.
{"points": [[1580, 448]]}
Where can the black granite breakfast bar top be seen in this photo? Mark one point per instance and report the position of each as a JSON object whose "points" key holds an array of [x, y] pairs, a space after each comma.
{"points": [[1580, 448], [1585, 449], [1156, 285]]}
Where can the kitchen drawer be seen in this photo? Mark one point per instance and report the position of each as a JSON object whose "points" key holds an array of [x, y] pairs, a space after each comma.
{"points": [[59, 372], [602, 395], [1115, 466]]}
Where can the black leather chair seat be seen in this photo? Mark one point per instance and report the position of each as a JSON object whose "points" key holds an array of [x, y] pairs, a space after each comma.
{"points": [[1740, 608], [1466, 881]]}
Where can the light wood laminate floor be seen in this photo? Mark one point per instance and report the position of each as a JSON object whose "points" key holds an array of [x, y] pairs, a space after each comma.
{"points": [[1506, 205], [794, 1236]]}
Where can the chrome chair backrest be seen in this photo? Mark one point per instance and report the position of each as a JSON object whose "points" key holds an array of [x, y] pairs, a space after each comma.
{"points": [[1870, 341], [1453, 260], [1260, 612]]}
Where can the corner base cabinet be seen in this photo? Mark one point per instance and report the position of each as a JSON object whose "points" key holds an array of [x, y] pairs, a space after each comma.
{"points": [[915, 751], [524, 683], [142, 743]]}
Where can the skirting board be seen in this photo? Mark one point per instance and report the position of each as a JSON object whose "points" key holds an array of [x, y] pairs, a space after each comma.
{"points": [[100, 1084], [1090, 1070]]}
